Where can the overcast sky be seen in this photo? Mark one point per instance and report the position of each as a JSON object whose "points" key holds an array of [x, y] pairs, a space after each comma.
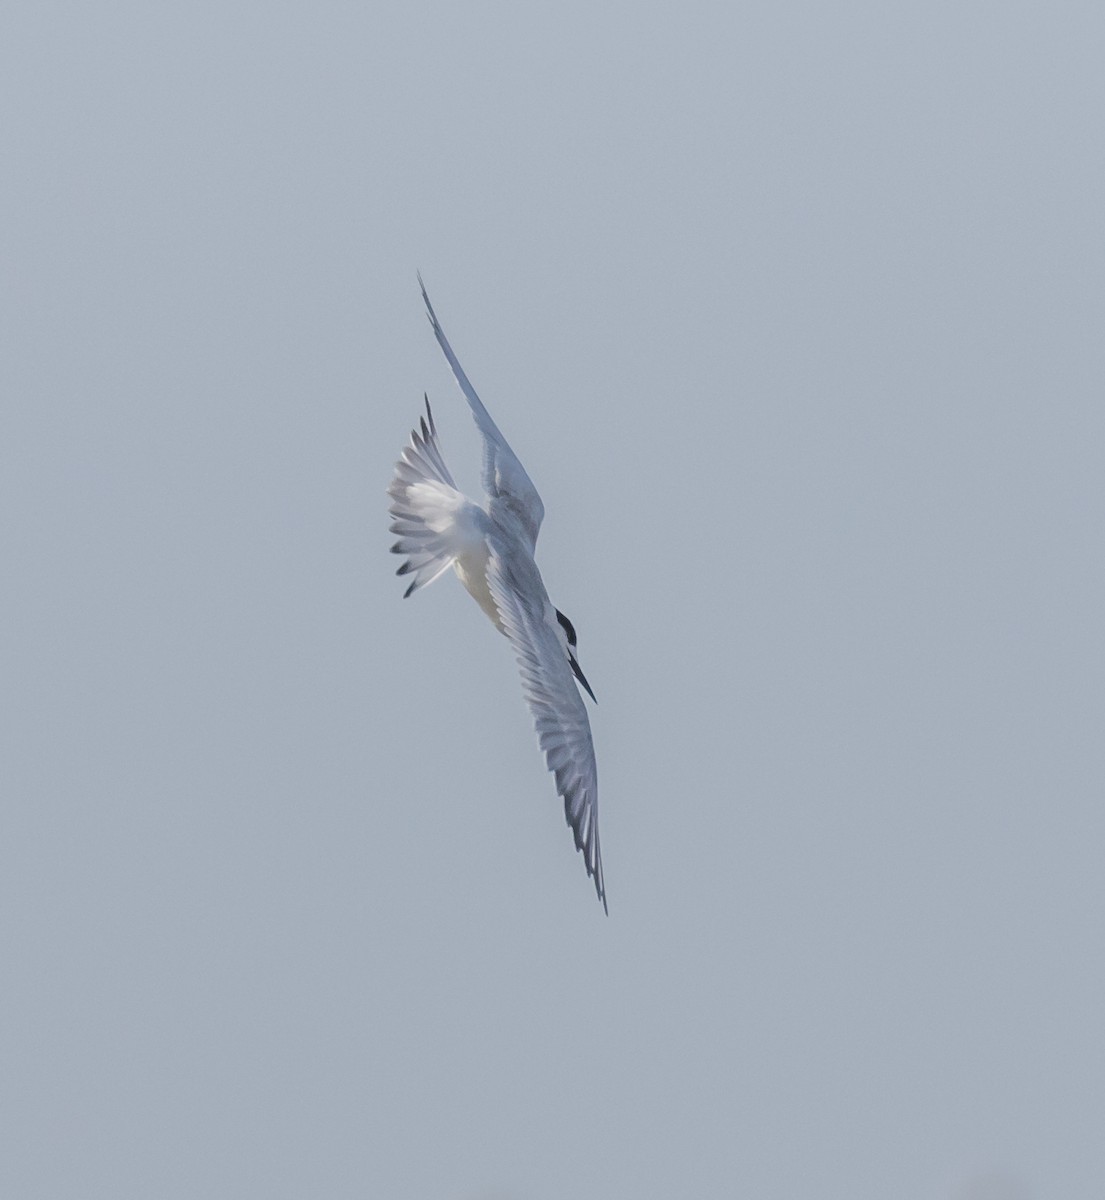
{"points": [[794, 312]]}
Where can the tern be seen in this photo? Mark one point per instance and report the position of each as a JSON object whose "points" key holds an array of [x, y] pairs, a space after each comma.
{"points": [[491, 548]]}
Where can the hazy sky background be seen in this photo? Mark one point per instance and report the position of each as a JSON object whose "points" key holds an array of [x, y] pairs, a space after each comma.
{"points": [[795, 313]]}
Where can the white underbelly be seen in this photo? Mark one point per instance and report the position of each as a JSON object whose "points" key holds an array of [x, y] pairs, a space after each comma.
{"points": [[471, 569]]}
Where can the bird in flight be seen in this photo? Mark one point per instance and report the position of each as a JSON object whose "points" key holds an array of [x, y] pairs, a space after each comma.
{"points": [[491, 548]]}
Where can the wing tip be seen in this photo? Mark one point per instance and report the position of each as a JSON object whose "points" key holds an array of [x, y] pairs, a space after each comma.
{"points": [[596, 874], [600, 883], [584, 846], [426, 300]]}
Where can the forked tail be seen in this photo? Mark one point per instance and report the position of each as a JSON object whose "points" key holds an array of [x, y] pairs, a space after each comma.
{"points": [[425, 503]]}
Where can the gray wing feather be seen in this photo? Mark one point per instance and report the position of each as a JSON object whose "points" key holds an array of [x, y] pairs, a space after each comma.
{"points": [[504, 478], [559, 715]]}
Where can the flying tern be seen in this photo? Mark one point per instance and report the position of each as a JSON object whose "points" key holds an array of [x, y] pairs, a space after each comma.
{"points": [[491, 548]]}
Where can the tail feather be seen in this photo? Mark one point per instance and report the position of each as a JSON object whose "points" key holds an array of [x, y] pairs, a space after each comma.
{"points": [[425, 503]]}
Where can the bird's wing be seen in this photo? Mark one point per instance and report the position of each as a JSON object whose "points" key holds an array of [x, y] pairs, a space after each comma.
{"points": [[559, 716], [504, 478]]}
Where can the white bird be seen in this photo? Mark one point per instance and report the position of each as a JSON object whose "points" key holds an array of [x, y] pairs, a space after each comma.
{"points": [[491, 548]]}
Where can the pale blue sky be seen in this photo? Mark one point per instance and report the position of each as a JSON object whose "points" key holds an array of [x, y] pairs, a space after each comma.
{"points": [[794, 314]]}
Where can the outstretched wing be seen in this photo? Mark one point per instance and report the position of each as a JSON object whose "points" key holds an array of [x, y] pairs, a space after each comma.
{"points": [[559, 716], [504, 478]]}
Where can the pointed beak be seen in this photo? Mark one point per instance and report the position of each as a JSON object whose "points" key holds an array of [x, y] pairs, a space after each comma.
{"points": [[581, 677]]}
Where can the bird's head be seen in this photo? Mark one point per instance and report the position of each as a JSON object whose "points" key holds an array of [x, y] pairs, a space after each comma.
{"points": [[570, 634]]}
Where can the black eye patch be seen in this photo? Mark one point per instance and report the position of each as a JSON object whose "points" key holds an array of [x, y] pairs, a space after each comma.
{"points": [[567, 626]]}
